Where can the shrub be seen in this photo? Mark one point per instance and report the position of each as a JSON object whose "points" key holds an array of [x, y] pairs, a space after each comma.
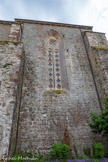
{"points": [[60, 151], [84, 157], [100, 122], [98, 150]]}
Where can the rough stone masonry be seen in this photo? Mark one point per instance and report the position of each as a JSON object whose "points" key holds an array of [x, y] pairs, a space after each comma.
{"points": [[52, 75]]}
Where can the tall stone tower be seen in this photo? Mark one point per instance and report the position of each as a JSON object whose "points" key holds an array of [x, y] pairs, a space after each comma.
{"points": [[52, 75]]}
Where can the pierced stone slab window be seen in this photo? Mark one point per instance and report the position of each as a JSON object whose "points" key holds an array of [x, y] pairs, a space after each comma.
{"points": [[52, 45], [53, 66]]}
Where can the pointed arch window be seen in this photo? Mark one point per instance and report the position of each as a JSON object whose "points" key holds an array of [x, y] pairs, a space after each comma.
{"points": [[52, 45], [56, 66]]}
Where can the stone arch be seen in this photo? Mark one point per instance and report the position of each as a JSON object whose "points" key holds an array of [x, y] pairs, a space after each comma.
{"points": [[53, 33]]}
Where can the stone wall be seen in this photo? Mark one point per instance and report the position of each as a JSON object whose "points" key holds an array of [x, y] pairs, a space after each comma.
{"points": [[45, 114], [4, 31], [15, 32], [10, 67], [97, 47]]}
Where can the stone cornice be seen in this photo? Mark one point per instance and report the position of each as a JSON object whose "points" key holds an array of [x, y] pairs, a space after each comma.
{"points": [[52, 23]]}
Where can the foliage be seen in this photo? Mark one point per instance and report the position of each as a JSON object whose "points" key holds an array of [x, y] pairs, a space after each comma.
{"points": [[98, 150], [28, 156], [100, 122], [60, 151], [84, 157]]}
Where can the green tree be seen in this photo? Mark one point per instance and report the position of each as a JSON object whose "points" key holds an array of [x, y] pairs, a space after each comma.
{"points": [[100, 122]]}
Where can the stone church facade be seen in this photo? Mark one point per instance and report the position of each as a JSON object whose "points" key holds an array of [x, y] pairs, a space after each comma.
{"points": [[52, 75]]}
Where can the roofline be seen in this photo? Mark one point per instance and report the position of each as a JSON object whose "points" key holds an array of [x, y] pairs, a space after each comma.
{"points": [[7, 22], [52, 23], [94, 32]]}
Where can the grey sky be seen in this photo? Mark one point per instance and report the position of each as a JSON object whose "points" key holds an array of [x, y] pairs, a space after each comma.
{"points": [[83, 12]]}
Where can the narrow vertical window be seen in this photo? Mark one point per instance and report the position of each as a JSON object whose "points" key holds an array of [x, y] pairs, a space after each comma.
{"points": [[54, 72], [57, 69], [50, 68]]}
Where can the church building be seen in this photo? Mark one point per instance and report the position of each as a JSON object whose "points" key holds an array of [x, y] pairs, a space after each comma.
{"points": [[52, 76]]}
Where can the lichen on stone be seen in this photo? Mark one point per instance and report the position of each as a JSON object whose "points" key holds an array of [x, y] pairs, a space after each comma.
{"points": [[12, 48], [11, 41], [101, 47], [57, 91]]}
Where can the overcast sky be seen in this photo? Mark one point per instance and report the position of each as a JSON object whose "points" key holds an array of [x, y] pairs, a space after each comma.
{"points": [[81, 12]]}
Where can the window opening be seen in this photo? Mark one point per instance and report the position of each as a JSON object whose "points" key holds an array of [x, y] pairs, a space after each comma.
{"points": [[54, 67]]}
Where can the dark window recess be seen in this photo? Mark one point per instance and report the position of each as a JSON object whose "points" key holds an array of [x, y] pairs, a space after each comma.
{"points": [[57, 69], [49, 59], [56, 55], [57, 74], [49, 51], [49, 55], [57, 65], [50, 74], [58, 80], [50, 69], [57, 60], [50, 64], [50, 80], [56, 52], [58, 86], [51, 86]]}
